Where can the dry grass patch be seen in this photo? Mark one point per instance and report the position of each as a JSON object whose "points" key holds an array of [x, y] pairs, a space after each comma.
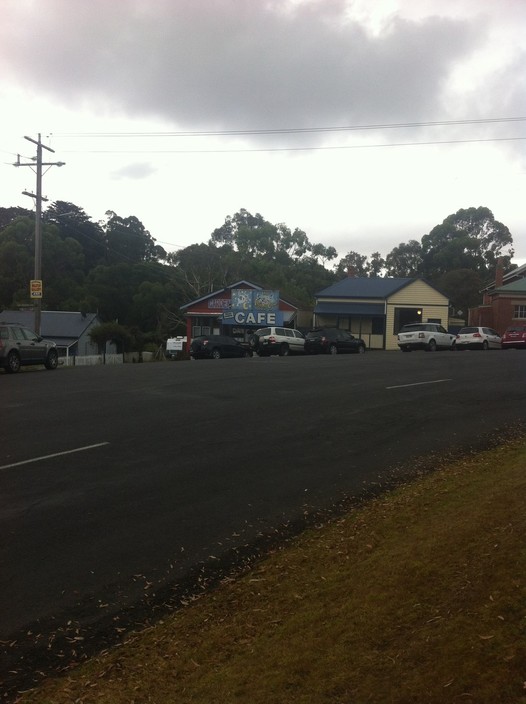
{"points": [[418, 596]]}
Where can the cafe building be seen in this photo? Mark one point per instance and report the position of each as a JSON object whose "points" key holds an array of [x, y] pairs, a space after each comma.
{"points": [[237, 310]]}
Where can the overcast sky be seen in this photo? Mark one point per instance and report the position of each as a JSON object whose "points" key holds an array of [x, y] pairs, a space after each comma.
{"points": [[313, 113]]}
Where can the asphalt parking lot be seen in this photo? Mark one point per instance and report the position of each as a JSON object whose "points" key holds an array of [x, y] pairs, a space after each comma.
{"points": [[119, 483]]}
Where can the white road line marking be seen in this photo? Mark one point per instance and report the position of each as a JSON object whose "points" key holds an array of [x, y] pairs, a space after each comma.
{"points": [[418, 383], [55, 454]]}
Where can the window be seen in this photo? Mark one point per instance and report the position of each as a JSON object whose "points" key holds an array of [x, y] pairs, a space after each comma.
{"points": [[377, 326], [29, 335], [519, 311], [404, 316]]}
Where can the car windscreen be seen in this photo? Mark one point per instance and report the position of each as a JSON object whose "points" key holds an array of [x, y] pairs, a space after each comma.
{"points": [[467, 331], [411, 328], [263, 331]]}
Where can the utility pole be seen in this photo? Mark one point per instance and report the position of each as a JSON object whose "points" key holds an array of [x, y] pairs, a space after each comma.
{"points": [[36, 284]]}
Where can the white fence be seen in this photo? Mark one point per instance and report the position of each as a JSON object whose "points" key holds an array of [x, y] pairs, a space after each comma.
{"points": [[91, 360]]}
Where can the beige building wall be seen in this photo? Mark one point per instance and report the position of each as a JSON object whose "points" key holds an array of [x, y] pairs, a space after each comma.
{"points": [[420, 295], [433, 304]]}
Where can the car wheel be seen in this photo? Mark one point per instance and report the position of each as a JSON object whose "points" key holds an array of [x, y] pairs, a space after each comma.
{"points": [[361, 349], [13, 362], [432, 346], [405, 349], [333, 349], [52, 360], [216, 353], [485, 345], [284, 350]]}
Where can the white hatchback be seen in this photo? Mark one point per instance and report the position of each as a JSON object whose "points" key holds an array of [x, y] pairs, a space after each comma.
{"points": [[472, 338]]}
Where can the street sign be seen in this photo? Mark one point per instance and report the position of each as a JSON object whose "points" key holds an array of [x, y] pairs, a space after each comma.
{"points": [[35, 288]]}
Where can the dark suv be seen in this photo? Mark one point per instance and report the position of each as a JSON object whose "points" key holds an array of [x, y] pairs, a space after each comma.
{"points": [[332, 341], [217, 346], [20, 346]]}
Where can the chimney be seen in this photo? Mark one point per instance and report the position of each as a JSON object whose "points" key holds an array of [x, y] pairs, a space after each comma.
{"points": [[499, 273], [351, 271]]}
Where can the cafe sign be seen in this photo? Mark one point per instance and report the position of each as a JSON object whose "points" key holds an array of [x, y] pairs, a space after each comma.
{"points": [[250, 307]]}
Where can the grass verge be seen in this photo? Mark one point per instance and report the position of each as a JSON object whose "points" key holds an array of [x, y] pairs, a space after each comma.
{"points": [[416, 597]]}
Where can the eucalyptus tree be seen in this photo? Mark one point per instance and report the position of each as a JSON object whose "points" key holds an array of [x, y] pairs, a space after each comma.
{"points": [[127, 240], [405, 260], [73, 223], [471, 238]]}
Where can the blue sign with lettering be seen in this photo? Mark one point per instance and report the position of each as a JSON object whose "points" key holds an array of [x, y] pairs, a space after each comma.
{"points": [[253, 317]]}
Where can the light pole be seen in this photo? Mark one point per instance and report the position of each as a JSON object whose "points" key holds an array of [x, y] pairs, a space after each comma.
{"points": [[36, 290]]}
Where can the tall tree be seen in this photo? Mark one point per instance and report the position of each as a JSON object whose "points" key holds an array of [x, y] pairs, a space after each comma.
{"points": [[129, 241], [462, 287], [352, 264], [376, 265], [405, 260], [471, 238], [253, 236], [16, 261], [72, 222]]}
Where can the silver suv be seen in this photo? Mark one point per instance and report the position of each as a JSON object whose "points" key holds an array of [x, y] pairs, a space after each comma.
{"points": [[282, 341], [20, 346]]}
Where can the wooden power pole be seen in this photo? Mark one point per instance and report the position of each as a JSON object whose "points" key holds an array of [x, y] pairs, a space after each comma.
{"points": [[36, 285]]}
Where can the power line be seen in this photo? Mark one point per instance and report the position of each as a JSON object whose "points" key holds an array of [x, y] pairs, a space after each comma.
{"points": [[294, 130], [290, 149]]}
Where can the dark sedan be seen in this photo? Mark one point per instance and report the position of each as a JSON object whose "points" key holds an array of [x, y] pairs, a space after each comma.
{"points": [[216, 347], [332, 341]]}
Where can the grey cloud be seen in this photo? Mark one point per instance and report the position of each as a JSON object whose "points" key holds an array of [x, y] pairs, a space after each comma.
{"points": [[136, 171], [234, 64]]}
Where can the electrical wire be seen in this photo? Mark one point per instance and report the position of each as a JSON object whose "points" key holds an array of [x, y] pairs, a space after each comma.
{"points": [[292, 130], [288, 149]]}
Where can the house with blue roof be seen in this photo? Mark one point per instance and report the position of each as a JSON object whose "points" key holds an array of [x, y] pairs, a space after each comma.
{"points": [[375, 308]]}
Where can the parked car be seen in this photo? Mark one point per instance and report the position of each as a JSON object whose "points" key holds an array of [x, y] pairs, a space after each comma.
{"points": [[216, 347], [274, 340], [472, 338], [332, 341], [515, 336], [425, 336], [20, 346]]}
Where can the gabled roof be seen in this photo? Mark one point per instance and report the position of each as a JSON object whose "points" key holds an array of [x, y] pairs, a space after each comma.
{"points": [[55, 324], [517, 273], [364, 287], [239, 284], [518, 286]]}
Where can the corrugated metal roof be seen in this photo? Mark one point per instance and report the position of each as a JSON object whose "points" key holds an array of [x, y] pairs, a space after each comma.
{"points": [[54, 324], [518, 286], [363, 287]]}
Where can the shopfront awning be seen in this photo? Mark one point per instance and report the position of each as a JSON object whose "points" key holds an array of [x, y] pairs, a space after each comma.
{"points": [[343, 308]]}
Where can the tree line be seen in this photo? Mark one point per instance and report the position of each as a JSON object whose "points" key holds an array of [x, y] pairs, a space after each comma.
{"points": [[116, 268]]}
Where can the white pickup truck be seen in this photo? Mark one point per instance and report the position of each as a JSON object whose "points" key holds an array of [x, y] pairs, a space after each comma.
{"points": [[425, 336]]}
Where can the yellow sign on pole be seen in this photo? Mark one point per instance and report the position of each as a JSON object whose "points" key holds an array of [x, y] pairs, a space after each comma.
{"points": [[35, 288]]}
